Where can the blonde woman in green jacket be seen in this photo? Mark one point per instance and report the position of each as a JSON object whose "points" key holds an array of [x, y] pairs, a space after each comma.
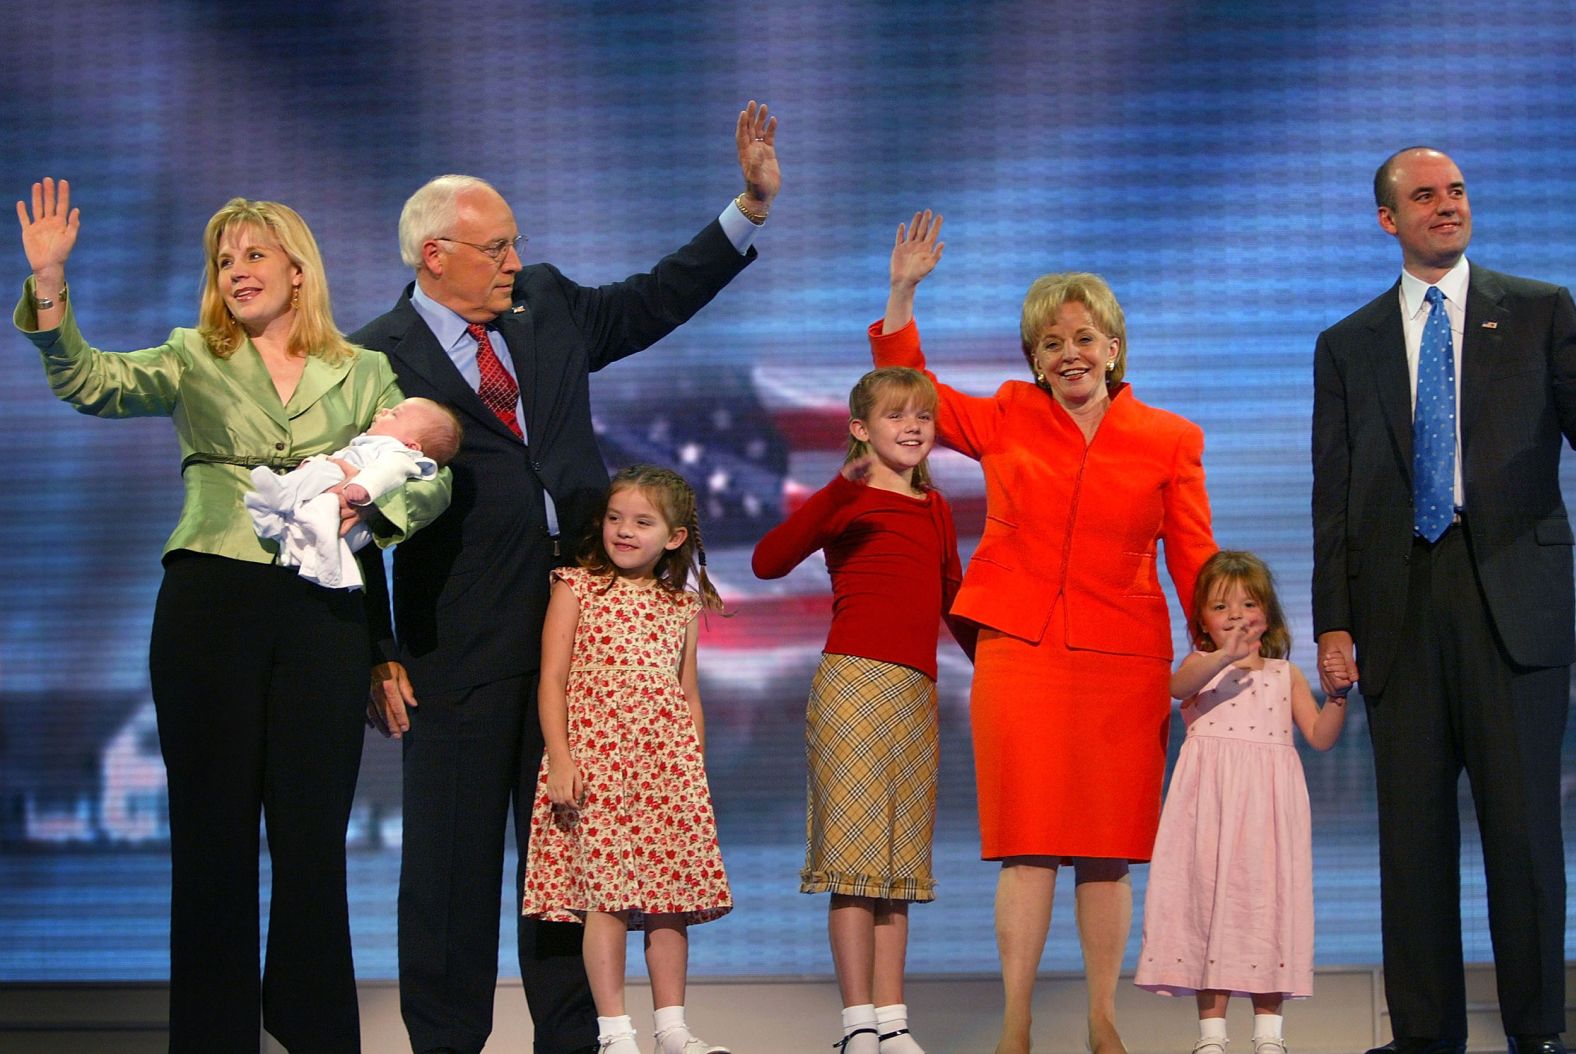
{"points": [[258, 676]]}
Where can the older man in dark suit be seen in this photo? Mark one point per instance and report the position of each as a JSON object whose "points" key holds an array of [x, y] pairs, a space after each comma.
{"points": [[1443, 553], [509, 347]]}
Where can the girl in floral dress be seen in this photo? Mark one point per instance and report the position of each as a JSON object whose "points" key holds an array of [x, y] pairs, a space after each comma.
{"points": [[622, 831]]}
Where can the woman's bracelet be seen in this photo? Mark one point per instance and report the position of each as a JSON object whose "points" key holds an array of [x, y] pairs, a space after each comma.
{"points": [[44, 303]]}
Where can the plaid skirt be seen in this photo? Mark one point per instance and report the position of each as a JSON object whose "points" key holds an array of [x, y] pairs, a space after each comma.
{"points": [[872, 739]]}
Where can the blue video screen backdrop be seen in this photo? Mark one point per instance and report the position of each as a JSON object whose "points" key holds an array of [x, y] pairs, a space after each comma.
{"points": [[1212, 160]]}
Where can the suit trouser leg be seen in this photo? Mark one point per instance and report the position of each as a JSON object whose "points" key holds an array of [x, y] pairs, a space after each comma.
{"points": [[1512, 730], [461, 755], [1455, 701], [466, 755], [552, 970], [213, 659]]}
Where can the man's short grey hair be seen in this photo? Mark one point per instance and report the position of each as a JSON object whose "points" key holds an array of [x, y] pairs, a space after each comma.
{"points": [[431, 213]]}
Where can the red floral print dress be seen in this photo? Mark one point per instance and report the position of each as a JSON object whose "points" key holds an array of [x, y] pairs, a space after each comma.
{"points": [[645, 838]]}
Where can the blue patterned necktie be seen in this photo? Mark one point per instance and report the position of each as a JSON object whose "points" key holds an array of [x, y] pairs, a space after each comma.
{"points": [[1434, 425]]}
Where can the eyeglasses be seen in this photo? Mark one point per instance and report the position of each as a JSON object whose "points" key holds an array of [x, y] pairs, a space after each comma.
{"points": [[495, 250]]}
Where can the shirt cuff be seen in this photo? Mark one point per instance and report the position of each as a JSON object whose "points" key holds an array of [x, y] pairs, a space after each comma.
{"points": [[737, 226]]}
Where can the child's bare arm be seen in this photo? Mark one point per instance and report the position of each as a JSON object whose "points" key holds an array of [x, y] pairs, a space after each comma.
{"points": [[564, 783], [1199, 668], [1321, 727], [689, 680]]}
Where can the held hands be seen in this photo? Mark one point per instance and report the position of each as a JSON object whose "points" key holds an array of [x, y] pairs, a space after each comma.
{"points": [[565, 786], [916, 251], [1337, 663], [756, 136], [391, 696], [50, 231]]}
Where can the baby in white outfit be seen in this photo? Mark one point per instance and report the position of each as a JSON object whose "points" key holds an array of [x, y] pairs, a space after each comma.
{"points": [[300, 509]]}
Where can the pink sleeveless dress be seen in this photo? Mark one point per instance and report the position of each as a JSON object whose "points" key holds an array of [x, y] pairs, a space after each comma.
{"points": [[1230, 898]]}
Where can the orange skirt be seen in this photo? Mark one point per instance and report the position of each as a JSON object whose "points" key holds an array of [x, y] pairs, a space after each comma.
{"points": [[1069, 747]]}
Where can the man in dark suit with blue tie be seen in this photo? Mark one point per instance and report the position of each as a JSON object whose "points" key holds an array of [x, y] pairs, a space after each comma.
{"points": [[1442, 553], [510, 348]]}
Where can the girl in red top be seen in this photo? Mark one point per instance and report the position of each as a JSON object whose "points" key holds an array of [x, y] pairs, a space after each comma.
{"points": [[871, 724]]}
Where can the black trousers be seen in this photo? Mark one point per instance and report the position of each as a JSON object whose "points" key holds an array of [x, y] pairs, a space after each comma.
{"points": [[469, 756], [259, 682], [1454, 701]]}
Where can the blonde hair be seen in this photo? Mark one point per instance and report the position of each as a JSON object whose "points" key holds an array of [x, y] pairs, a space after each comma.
{"points": [[1233, 567], [890, 386], [675, 499], [312, 331], [1050, 293]]}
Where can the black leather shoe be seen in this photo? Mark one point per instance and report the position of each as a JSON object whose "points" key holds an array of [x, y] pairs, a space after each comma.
{"points": [[1422, 1046], [1536, 1045]]}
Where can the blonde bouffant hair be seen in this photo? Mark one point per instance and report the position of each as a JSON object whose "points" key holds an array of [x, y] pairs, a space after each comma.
{"points": [[1050, 293]]}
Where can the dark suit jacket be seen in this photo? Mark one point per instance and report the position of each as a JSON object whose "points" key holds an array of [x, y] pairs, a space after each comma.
{"points": [[1518, 395], [470, 597]]}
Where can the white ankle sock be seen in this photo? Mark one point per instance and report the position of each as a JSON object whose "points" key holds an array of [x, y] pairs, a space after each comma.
{"points": [[1212, 1028], [669, 1028], [1267, 1026], [856, 1018], [894, 1018], [616, 1035]]}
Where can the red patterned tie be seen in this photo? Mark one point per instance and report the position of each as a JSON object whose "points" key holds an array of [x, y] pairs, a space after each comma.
{"points": [[498, 389]]}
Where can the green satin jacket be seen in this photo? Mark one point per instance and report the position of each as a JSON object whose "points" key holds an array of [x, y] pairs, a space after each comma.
{"points": [[229, 408]]}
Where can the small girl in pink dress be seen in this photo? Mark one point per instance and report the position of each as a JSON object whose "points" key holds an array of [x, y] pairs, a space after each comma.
{"points": [[1229, 908], [622, 830]]}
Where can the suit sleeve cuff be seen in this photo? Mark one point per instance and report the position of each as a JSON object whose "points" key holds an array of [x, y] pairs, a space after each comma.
{"points": [[740, 231]]}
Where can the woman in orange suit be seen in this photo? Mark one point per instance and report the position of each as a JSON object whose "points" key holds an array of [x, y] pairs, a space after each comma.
{"points": [[1069, 706]]}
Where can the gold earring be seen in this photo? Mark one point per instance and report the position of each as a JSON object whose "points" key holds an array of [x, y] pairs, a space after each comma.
{"points": [[1109, 366], [295, 296]]}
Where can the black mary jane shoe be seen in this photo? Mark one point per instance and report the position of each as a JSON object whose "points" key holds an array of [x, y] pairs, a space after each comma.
{"points": [[841, 1046]]}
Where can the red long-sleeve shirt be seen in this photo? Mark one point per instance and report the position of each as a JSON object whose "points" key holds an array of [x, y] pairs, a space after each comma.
{"points": [[894, 566]]}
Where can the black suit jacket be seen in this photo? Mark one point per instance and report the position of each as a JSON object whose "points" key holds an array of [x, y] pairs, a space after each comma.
{"points": [[471, 594], [1518, 395]]}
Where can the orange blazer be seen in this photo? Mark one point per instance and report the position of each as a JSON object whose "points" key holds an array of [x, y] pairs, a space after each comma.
{"points": [[1069, 519]]}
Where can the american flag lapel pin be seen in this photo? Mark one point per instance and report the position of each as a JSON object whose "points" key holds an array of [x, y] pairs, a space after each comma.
{"points": [[1486, 325]]}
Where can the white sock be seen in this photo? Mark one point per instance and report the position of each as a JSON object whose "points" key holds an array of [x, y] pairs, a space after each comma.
{"points": [[1267, 1026], [669, 1028], [856, 1018], [616, 1034], [1212, 1028], [891, 1019]]}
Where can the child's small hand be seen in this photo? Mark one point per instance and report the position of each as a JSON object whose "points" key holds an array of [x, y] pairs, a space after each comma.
{"points": [[915, 252], [859, 469], [1240, 643], [565, 787]]}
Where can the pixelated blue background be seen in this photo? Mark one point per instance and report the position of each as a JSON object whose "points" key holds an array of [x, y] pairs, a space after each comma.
{"points": [[1212, 160]]}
